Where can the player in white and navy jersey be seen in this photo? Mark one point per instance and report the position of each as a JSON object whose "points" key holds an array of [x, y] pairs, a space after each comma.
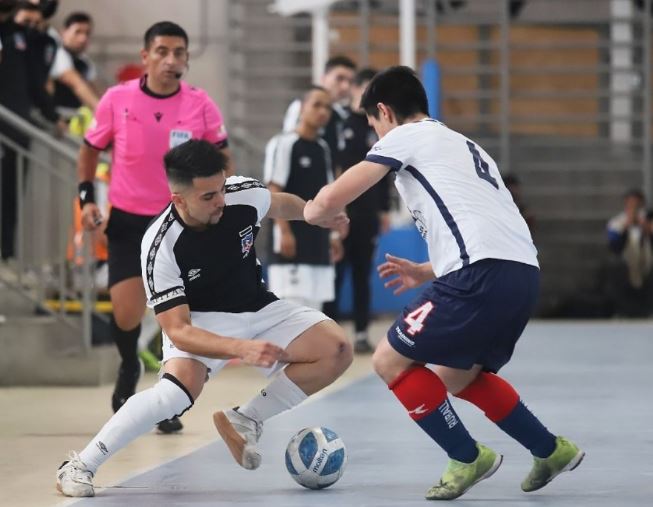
{"points": [[204, 283], [483, 282]]}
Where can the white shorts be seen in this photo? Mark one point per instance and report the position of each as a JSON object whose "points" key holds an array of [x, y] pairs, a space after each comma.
{"points": [[280, 323], [303, 281]]}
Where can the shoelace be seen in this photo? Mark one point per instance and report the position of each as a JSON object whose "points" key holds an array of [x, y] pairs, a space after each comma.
{"points": [[79, 467]]}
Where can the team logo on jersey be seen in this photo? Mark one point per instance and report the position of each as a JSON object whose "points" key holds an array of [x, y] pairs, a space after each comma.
{"points": [[193, 274], [305, 162], [246, 240], [420, 223], [20, 42], [158, 117]]}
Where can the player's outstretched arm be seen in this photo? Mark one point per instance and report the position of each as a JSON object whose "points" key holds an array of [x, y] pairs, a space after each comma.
{"points": [[333, 198], [408, 274], [176, 323], [291, 207]]}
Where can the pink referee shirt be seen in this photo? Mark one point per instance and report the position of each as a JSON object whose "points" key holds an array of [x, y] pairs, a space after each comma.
{"points": [[143, 127]]}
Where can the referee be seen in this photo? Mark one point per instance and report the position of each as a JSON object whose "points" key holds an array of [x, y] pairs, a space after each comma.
{"points": [[141, 119]]}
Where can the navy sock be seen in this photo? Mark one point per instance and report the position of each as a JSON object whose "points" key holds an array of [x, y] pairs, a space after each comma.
{"points": [[527, 429], [445, 427]]}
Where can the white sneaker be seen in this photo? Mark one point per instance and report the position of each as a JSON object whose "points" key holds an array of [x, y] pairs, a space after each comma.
{"points": [[241, 434], [73, 479]]}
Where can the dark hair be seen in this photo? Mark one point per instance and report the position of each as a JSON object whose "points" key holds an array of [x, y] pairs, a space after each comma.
{"points": [[313, 88], [634, 192], [77, 17], [364, 75], [49, 8], [398, 88], [511, 179], [193, 159], [26, 5], [339, 61], [164, 28]]}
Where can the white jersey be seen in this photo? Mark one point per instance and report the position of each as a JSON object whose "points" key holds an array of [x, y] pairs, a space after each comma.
{"points": [[456, 196]]}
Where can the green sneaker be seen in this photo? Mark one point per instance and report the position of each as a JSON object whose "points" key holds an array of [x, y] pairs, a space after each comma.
{"points": [[150, 361], [565, 457], [458, 477]]}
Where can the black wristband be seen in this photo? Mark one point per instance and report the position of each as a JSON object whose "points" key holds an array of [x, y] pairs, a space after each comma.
{"points": [[86, 192]]}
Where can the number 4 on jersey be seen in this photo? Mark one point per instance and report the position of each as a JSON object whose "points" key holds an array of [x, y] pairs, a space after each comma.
{"points": [[482, 167], [416, 318]]}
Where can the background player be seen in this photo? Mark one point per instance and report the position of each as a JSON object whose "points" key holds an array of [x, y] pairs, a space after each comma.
{"points": [[467, 321], [142, 119], [204, 282], [301, 265]]}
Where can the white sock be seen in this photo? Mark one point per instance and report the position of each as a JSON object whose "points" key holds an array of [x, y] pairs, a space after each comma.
{"points": [[139, 415], [280, 395]]}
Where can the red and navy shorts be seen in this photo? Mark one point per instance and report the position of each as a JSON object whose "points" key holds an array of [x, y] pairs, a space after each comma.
{"points": [[474, 315]]}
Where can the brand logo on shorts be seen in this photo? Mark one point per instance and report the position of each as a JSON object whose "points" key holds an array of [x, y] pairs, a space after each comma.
{"points": [[246, 240], [193, 274], [403, 337]]}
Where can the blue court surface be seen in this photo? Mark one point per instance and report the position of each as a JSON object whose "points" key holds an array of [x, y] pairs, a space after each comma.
{"points": [[590, 382]]}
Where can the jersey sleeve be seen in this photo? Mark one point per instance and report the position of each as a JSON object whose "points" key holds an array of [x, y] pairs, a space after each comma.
{"points": [[62, 63], [278, 155], [100, 133], [164, 286], [291, 117], [248, 192], [391, 150], [216, 132]]}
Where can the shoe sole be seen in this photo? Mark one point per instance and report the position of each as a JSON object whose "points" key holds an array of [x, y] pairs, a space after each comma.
{"points": [[69, 496], [237, 445], [572, 465], [495, 466]]}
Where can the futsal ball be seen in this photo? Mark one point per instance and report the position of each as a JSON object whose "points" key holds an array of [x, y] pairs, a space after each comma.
{"points": [[316, 457]]}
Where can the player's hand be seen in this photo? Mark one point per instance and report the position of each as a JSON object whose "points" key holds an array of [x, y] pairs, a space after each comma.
{"points": [[408, 274], [91, 216], [288, 247], [315, 214], [337, 249], [260, 353]]}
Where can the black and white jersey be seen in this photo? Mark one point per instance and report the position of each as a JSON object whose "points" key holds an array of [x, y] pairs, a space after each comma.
{"points": [[213, 270], [301, 167], [331, 133]]}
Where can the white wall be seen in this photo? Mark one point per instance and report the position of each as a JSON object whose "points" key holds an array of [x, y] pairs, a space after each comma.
{"points": [[120, 25]]}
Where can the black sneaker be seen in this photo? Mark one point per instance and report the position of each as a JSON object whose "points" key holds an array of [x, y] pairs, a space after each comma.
{"points": [[363, 347], [170, 425], [128, 376]]}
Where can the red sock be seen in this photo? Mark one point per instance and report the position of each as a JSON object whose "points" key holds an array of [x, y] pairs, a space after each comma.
{"points": [[493, 395], [419, 390]]}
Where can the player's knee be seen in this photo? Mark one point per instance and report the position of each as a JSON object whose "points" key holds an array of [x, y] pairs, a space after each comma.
{"points": [[173, 398], [384, 366], [339, 354]]}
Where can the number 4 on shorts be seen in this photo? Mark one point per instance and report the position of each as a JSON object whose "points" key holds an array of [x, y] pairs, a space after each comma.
{"points": [[416, 318]]}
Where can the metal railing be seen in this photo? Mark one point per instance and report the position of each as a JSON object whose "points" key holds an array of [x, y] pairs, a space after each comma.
{"points": [[45, 194]]}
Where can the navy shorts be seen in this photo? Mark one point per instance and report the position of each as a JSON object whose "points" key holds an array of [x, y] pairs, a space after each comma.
{"points": [[471, 316]]}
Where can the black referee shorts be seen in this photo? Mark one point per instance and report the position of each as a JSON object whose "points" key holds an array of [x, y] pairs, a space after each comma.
{"points": [[124, 234]]}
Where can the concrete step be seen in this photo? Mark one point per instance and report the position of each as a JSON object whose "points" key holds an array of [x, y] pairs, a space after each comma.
{"points": [[44, 351]]}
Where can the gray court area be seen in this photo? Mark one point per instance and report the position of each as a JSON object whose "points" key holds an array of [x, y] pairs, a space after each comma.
{"points": [[591, 382]]}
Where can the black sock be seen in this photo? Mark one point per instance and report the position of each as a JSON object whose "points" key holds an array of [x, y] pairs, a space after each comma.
{"points": [[127, 342]]}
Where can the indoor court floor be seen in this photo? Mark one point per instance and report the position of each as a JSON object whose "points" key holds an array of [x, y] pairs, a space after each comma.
{"points": [[590, 381]]}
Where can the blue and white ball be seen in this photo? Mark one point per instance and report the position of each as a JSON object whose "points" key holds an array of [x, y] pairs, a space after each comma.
{"points": [[316, 457]]}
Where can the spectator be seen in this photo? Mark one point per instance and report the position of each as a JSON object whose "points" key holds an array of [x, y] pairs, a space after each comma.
{"points": [[73, 71], [299, 163], [368, 215], [24, 59], [630, 238], [513, 184], [337, 80]]}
